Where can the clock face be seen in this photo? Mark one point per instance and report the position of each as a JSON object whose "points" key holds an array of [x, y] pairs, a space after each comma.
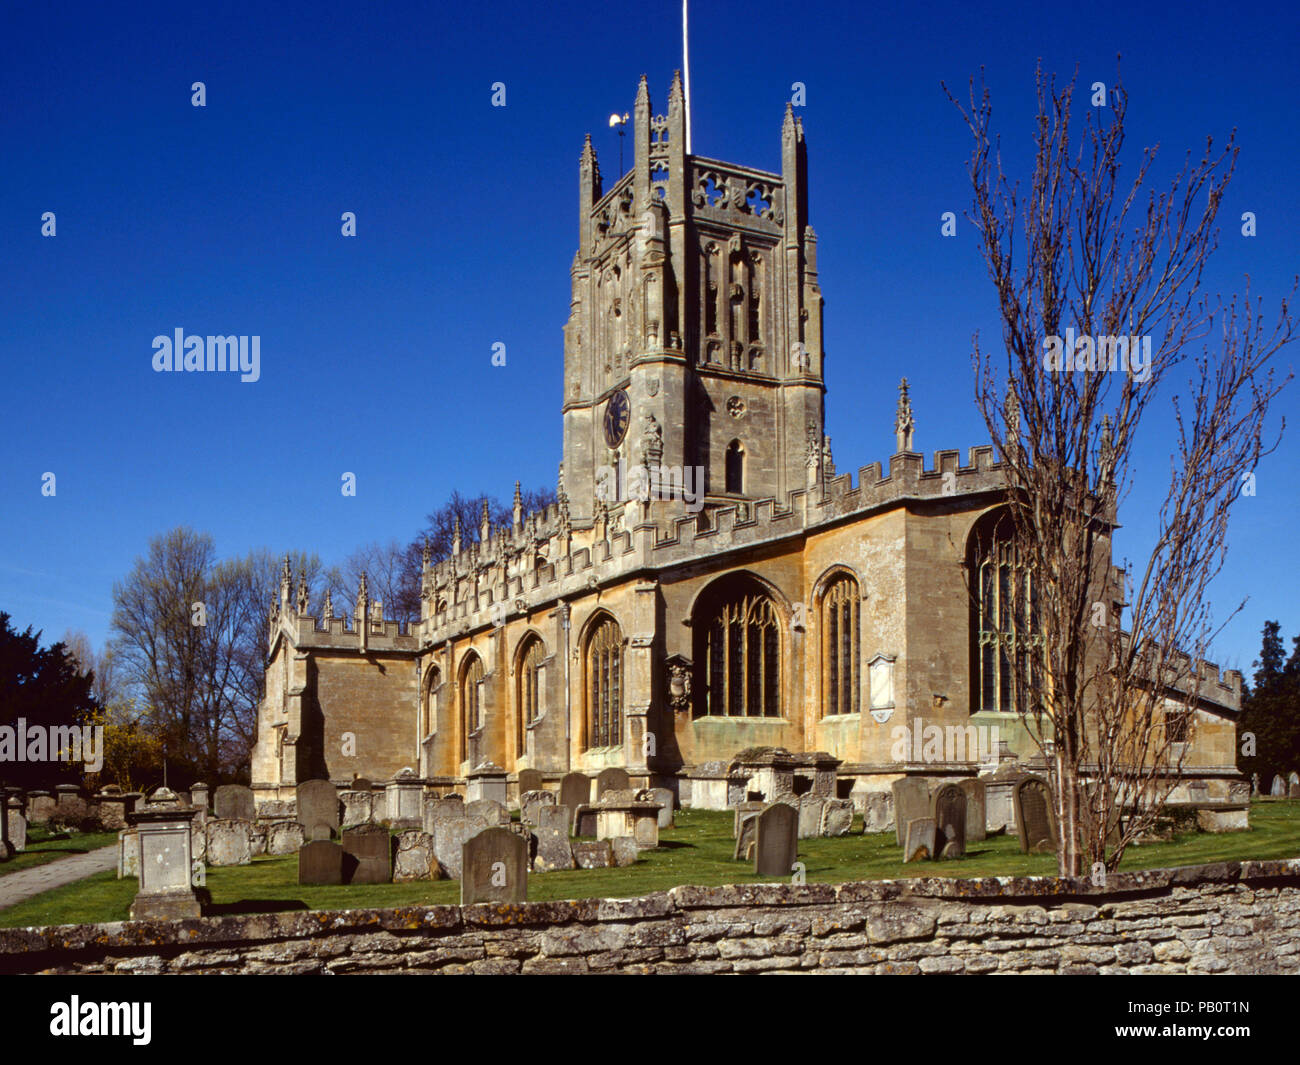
{"points": [[618, 412]]}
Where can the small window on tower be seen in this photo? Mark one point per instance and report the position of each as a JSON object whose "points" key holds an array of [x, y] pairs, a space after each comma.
{"points": [[735, 472]]}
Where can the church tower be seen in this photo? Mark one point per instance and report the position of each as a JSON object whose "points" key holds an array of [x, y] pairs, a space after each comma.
{"points": [[694, 338]]}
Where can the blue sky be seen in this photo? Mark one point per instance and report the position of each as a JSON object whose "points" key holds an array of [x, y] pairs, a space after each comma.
{"points": [[375, 351]]}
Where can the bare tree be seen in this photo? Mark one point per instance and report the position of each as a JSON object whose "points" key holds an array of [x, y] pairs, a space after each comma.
{"points": [[1099, 291]]}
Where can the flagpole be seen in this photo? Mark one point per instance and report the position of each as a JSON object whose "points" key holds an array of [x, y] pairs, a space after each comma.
{"points": [[686, 88]]}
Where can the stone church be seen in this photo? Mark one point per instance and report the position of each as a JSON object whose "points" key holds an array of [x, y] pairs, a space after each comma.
{"points": [[707, 583]]}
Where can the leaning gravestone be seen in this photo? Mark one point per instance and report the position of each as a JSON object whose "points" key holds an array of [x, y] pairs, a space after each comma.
{"points": [[235, 802], [911, 801], [370, 848], [744, 810], [920, 839], [1035, 818], [745, 836], [664, 797], [776, 843], [949, 822], [494, 868], [575, 790], [530, 780], [612, 779], [318, 809], [320, 862], [877, 812], [976, 830]]}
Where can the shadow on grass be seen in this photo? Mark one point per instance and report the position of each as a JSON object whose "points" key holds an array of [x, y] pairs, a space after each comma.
{"points": [[674, 844]]}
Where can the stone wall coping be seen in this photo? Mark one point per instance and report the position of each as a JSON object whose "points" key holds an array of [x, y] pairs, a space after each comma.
{"points": [[181, 935]]}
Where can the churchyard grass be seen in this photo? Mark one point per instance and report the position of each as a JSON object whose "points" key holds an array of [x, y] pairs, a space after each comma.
{"points": [[697, 851], [44, 846]]}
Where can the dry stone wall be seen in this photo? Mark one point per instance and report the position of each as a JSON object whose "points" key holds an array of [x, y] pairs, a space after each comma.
{"points": [[1221, 918]]}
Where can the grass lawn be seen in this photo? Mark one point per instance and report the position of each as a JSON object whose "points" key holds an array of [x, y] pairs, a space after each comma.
{"points": [[47, 846], [697, 851]]}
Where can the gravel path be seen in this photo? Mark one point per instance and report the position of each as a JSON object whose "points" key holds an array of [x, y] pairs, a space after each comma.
{"points": [[15, 887]]}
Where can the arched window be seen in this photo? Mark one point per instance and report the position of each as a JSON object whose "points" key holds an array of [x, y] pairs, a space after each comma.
{"points": [[741, 653], [429, 718], [840, 642], [735, 468], [471, 701], [528, 671], [1006, 629], [604, 685]]}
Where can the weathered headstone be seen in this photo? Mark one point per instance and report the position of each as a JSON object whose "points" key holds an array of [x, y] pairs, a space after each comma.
{"points": [[530, 802], [531, 780], [575, 791], [229, 841], [451, 808], [166, 864], [1293, 790], [949, 822], [257, 833], [1035, 817], [284, 837], [911, 801], [920, 839], [488, 810], [625, 850], [370, 848], [318, 809], [555, 818], [612, 779], [585, 820], [877, 811], [1254, 783], [664, 797], [810, 815], [494, 868], [744, 850], [358, 808], [776, 840], [234, 802], [744, 810], [320, 861], [128, 853], [1278, 790], [552, 847], [15, 823], [837, 817], [975, 816], [594, 855], [449, 835], [415, 858]]}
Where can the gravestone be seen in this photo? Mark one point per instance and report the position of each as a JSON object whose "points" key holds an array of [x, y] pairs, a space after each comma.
{"points": [[744, 810], [625, 850], [664, 797], [594, 855], [15, 823], [837, 817], [318, 809], [530, 780], [234, 802], [877, 811], [575, 791], [1278, 790], [257, 832], [949, 822], [415, 858], [449, 835], [284, 837], [229, 841], [128, 853], [40, 805], [532, 801], [320, 861], [370, 849], [552, 846], [920, 839], [1254, 783], [911, 801], [452, 808], [776, 844], [585, 820], [810, 815], [1293, 790], [1035, 818], [555, 818], [166, 864], [744, 850], [495, 868], [612, 779], [362, 784], [358, 808], [976, 831], [489, 811]]}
